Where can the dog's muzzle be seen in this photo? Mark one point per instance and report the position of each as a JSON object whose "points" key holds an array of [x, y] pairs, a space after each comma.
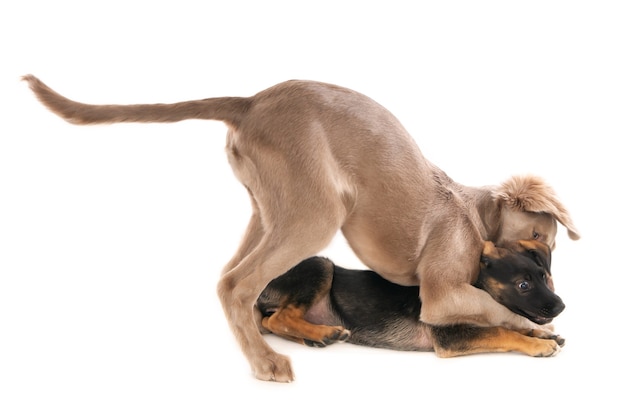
{"points": [[547, 312]]}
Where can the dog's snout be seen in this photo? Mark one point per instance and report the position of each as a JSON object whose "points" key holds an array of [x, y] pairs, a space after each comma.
{"points": [[553, 309]]}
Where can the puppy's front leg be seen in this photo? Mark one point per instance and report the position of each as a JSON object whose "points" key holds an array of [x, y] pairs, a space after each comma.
{"points": [[458, 340], [544, 333]]}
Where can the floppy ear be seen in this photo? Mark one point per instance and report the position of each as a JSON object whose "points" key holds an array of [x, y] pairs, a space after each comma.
{"points": [[531, 193], [539, 251], [489, 252]]}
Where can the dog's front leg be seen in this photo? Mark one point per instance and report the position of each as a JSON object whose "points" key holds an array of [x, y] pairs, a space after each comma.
{"points": [[458, 340], [544, 333], [464, 303]]}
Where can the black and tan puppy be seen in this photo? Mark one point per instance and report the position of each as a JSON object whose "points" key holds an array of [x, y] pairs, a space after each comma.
{"points": [[319, 303]]}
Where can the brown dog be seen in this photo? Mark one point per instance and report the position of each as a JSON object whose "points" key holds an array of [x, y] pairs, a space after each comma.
{"points": [[317, 158], [318, 303]]}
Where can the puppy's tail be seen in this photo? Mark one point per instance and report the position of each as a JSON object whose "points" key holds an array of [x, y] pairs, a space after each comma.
{"points": [[226, 109]]}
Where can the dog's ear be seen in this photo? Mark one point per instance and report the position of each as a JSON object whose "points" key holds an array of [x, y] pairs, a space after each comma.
{"points": [[539, 251], [531, 193], [489, 252]]}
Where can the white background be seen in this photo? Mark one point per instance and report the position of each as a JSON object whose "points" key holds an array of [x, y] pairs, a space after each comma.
{"points": [[112, 237]]}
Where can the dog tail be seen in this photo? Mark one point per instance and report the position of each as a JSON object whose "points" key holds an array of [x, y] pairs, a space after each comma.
{"points": [[226, 109]]}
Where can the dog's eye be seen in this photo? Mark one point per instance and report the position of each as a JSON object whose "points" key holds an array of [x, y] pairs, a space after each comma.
{"points": [[536, 235], [544, 276], [524, 285]]}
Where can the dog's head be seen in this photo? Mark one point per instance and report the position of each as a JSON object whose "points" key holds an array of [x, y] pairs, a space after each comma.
{"points": [[530, 209], [517, 275]]}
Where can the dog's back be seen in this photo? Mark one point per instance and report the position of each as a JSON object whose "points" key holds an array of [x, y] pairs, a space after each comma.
{"points": [[377, 312]]}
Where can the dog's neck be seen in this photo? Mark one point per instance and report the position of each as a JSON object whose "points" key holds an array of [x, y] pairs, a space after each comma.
{"points": [[483, 208], [481, 201]]}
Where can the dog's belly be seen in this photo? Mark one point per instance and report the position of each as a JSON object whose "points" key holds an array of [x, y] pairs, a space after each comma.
{"points": [[413, 337], [393, 218], [400, 334], [389, 252], [322, 313], [394, 228]]}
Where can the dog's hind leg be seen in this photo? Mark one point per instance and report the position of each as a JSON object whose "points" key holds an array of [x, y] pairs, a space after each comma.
{"points": [[278, 251], [239, 289], [251, 237], [299, 198]]}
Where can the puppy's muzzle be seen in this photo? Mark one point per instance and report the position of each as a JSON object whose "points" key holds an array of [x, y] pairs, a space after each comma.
{"points": [[548, 311]]}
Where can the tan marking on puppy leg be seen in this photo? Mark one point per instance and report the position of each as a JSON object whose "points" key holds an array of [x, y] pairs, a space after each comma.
{"points": [[499, 339], [289, 322]]}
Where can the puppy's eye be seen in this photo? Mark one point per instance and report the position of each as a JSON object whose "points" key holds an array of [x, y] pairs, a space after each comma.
{"points": [[536, 235], [544, 276], [524, 285]]}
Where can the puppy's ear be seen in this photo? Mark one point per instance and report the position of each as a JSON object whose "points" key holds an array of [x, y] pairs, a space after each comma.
{"points": [[539, 251], [489, 252], [531, 193]]}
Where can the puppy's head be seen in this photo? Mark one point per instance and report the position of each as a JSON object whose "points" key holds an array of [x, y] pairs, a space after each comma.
{"points": [[530, 209], [517, 275]]}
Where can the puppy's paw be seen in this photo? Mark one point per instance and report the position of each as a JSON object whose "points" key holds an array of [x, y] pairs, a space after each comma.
{"points": [[343, 335], [558, 339], [547, 348], [336, 334], [546, 334]]}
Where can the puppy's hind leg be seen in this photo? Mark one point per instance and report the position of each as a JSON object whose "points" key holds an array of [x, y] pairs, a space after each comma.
{"points": [[286, 300], [289, 322]]}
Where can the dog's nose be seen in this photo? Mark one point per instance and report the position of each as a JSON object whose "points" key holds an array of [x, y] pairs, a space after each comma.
{"points": [[553, 309]]}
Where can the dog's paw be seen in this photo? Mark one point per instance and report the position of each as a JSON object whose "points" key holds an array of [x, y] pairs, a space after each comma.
{"points": [[546, 334], [547, 348], [542, 348], [273, 367], [338, 334], [315, 343], [343, 335], [560, 340]]}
